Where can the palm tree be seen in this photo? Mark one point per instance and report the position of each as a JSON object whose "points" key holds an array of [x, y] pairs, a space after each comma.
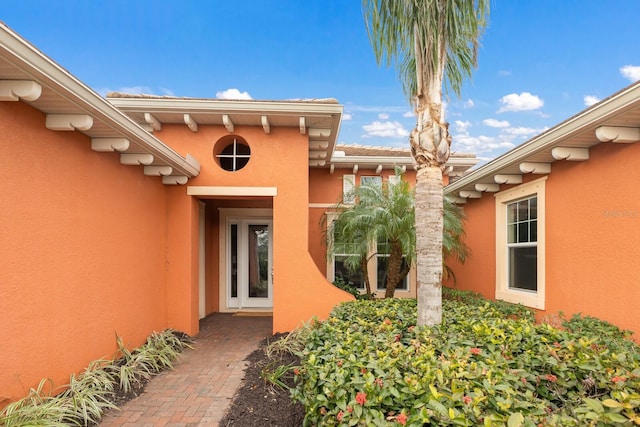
{"points": [[382, 218], [430, 40]]}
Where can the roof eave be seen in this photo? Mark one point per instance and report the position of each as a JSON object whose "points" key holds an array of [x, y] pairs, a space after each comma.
{"points": [[598, 113], [44, 70]]}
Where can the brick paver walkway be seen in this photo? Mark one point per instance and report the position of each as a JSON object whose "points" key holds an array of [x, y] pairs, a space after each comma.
{"points": [[199, 389]]}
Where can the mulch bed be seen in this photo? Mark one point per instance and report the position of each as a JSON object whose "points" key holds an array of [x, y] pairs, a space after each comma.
{"points": [[258, 403]]}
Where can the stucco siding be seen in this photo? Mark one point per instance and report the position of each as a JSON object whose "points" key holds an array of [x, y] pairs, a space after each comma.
{"points": [[592, 234], [83, 251]]}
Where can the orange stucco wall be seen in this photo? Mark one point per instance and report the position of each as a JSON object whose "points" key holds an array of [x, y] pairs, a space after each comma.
{"points": [[83, 252], [592, 235], [278, 159]]}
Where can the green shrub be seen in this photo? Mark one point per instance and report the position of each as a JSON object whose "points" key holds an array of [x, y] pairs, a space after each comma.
{"points": [[487, 363], [476, 299], [587, 325], [340, 283]]}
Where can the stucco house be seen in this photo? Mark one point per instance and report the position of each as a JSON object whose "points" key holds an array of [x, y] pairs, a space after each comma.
{"points": [[137, 213], [554, 224]]}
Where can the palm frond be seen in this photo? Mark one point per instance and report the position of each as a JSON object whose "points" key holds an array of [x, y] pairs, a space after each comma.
{"points": [[426, 39]]}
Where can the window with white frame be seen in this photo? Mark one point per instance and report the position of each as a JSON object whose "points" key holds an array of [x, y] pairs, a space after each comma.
{"points": [[232, 154], [520, 261], [522, 244], [394, 179], [339, 268], [348, 184], [371, 180]]}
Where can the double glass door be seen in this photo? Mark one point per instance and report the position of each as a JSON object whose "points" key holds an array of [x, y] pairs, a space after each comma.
{"points": [[249, 263]]}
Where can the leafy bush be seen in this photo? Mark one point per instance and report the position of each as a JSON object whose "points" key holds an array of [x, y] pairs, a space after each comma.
{"points": [[340, 283], [90, 393], [587, 325], [487, 364], [476, 299]]}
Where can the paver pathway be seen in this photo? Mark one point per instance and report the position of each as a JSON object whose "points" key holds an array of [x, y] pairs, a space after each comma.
{"points": [[199, 389]]}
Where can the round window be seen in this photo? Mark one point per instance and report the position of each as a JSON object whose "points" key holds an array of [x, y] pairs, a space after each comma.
{"points": [[232, 153]]}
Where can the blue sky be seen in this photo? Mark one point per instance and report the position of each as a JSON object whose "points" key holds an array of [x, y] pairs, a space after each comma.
{"points": [[541, 61]]}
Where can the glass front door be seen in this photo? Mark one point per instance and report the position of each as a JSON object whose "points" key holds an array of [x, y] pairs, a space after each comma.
{"points": [[250, 263]]}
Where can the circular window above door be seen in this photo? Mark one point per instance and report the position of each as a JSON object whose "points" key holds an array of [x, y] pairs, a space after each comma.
{"points": [[232, 153]]}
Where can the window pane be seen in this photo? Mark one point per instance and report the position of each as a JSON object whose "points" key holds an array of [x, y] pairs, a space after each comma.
{"points": [[348, 182], [394, 179], [523, 232], [523, 268], [512, 233], [234, 156], [523, 210], [533, 231], [521, 221], [258, 257], [533, 208], [511, 213], [241, 162], [242, 150], [234, 261], [371, 180], [226, 163], [341, 271]]}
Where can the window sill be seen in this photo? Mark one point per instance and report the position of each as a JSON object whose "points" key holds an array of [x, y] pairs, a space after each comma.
{"points": [[528, 299]]}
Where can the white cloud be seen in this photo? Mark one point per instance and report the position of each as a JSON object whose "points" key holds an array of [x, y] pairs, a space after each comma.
{"points": [[346, 116], [496, 123], [522, 102], [468, 103], [461, 126], [166, 92], [232, 93], [630, 72], [499, 145], [504, 73], [521, 131], [383, 116], [481, 145], [385, 130], [589, 100], [409, 114]]}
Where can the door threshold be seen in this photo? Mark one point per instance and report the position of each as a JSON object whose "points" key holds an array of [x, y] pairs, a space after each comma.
{"points": [[253, 313]]}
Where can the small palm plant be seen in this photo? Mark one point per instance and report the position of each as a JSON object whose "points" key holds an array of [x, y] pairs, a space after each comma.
{"points": [[382, 222]]}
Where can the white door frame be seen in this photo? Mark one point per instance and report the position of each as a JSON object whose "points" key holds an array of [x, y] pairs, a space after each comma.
{"points": [[242, 218]]}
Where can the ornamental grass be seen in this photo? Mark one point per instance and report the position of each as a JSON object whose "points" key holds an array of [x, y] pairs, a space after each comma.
{"points": [[98, 388]]}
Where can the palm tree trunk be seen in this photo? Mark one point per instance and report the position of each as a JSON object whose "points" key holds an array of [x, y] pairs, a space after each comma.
{"points": [[365, 272], [430, 143], [429, 223], [394, 267]]}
